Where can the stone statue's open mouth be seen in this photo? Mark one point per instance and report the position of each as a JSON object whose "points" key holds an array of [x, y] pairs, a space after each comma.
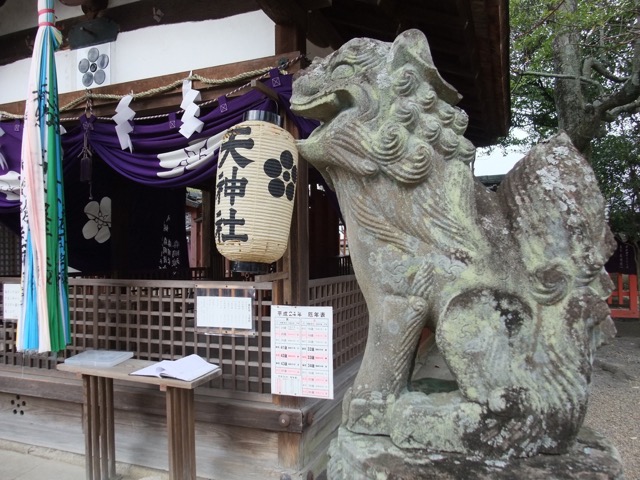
{"points": [[320, 107]]}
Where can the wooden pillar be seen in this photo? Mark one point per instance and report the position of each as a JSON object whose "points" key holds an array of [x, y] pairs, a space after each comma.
{"points": [[296, 259], [208, 244], [295, 287], [290, 38]]}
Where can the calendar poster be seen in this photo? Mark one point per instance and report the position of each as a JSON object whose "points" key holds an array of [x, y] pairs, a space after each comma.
{"points": [[302, 351]]}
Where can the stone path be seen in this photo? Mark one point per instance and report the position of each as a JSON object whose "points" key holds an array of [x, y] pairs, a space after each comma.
{"points": [[614, 402]]}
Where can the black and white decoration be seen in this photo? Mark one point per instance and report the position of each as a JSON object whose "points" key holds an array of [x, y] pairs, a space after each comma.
{"points": [[94, 66]]}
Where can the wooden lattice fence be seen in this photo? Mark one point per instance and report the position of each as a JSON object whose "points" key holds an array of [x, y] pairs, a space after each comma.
{"points": [[155, 319]]}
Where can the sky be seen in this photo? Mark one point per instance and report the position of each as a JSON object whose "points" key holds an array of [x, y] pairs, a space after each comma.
{"points": [[496, 162]]}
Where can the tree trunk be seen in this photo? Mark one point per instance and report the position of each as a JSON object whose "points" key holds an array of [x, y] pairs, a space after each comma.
{"points": [[573, 117]]}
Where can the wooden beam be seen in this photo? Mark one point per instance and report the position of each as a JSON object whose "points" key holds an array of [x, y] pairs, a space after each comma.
{"points": [[289, 12], [269, 92], [290, 38], [227, 411], [131, 16], [284, 12], [165, 102], [316, 4], [368, 22]]}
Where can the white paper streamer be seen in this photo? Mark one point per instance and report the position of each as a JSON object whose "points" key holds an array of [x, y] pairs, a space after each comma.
{"points": [[3, 161], [123, 128], [190, 122]]}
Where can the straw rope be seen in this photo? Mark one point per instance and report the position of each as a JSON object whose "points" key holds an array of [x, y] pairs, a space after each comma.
{"points": [[89, 96]]}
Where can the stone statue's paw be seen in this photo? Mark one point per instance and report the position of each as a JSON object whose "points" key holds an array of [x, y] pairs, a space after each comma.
{"points": [[436, 422], [510, 401], [367, 413]]}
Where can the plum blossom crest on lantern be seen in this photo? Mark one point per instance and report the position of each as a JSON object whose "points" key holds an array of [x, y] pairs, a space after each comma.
{"points": [[284, 175]]}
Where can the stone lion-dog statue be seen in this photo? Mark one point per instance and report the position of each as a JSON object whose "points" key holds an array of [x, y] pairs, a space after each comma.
{"points": [[512, 281]]}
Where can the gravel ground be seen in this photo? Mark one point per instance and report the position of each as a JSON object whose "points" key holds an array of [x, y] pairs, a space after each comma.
{"points": [[614, 402]]}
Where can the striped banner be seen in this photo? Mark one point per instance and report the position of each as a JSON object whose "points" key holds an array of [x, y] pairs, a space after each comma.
{"points": [[44, 320]]}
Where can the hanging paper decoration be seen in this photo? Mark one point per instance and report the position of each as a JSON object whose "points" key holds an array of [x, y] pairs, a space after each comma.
{"points": [[3, 161], [190, 122], [122, 118], [255, 188]]}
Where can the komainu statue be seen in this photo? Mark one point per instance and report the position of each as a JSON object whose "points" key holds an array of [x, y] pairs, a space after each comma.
{"points": [[512, 281]]}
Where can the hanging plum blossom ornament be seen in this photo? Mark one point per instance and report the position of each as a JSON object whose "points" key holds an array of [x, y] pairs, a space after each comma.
{"points": [[99, 224]]}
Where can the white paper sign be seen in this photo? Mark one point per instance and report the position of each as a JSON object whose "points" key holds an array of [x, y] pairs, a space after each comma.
{"points": [[302, 351], [11, 301], [224, 312]]}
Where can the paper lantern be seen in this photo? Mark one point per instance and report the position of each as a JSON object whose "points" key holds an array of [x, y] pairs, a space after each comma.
{"points": [[255, 189]]}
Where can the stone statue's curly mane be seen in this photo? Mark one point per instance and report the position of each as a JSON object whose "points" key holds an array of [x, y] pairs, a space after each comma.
{"points": [[512, 282], [416, 127]]}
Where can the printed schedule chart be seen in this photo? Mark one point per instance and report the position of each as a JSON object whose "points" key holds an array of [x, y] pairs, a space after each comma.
{"points": [[302, 351]]}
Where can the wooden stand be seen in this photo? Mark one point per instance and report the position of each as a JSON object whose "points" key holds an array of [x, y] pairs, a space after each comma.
{"points": [[99, 424]]}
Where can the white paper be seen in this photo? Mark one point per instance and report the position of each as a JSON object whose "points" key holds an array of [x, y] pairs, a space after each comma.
{"points": [[123, 128], [302, 351], [224, 312], [190, 122], [187, 369], [11, 301]]}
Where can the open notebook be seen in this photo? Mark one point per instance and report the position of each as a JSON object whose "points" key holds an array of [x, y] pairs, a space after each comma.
{"points": [[188, 368]]}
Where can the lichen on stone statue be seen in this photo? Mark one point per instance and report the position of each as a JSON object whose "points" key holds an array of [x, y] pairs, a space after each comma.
{"points": [[512, 281]]}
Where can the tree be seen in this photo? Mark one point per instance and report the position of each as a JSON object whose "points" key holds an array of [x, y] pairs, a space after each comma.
{"points": [[616, 163], [576, 66]]}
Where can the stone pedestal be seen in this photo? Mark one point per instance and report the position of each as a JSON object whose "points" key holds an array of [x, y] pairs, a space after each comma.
{"points": [[367, 457]]}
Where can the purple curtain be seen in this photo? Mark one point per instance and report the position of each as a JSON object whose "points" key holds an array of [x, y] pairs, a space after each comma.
{"points": [[161, 156], [10, 149]]}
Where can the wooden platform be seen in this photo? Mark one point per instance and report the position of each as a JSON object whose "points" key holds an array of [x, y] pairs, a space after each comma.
{"points": [[241, 430]]}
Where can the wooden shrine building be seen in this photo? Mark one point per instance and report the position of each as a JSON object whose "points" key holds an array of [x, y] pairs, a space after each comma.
{"points": [[242, 429]]}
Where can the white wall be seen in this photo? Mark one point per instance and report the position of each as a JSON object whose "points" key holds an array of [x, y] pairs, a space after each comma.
{"points": [[158, 50]]}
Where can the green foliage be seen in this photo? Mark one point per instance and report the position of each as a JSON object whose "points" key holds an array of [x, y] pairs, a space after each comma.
{"points": [[602, 34], [616, 163], [597, 43]]}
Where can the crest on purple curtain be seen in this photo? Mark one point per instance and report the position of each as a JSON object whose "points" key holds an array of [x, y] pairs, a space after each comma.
{"points": [[161, 157]]}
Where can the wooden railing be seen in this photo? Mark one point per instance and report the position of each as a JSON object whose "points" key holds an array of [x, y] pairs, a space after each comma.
{"points": [[155, 319], [350, 314], [624, 298]]}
